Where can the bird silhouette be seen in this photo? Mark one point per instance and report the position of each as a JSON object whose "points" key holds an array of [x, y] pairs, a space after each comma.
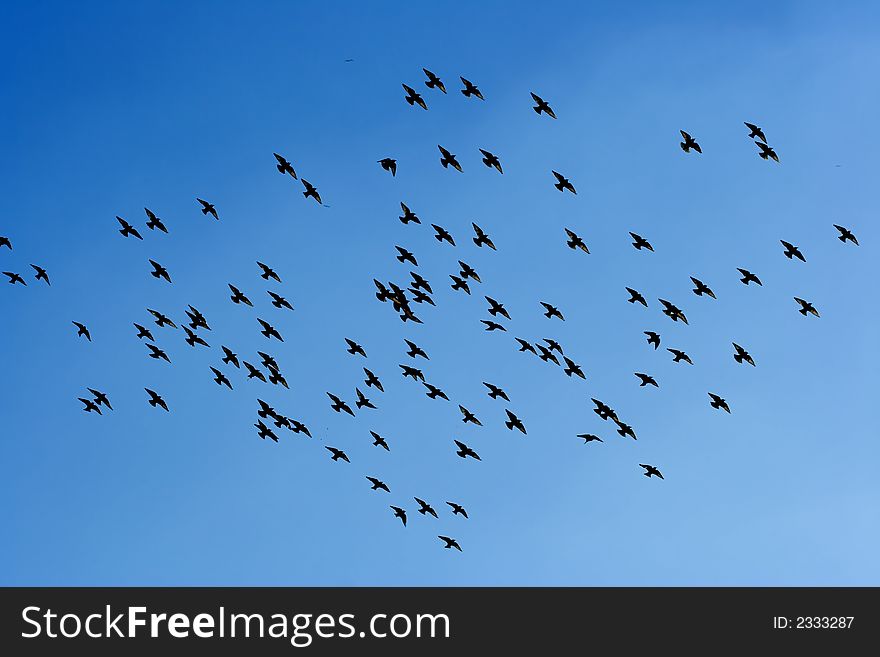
{"points": [[636, 297], [653, 338], [399, 513], [230, 358], [434, 392], [701, 288], [603, 410], [679, 355], [572, 368], [284, 166], [481, 238], [496, 308], [269, 330], [575, 242], [845, 235], [672, 311], [742, 355], [542, 106], [265, 432], [421, 297], [379, 441], [420, 282], [362, 401], [100, 398], [766, 152], [161, 320], [547, 354], [492, 326], [41, 274], [513, 422], [253, 372], [433, 82], [197, 319], [156, 400], [413, 373], [389, 164], [220, 378], [464, 451], [413, 97], [450, 542], [640, 242], [447, 159], [14, 278], [562, 183], [442, 235], [551, 311], [405, 256], [153, 222], [278, 301], [458, 509], [299, 427], [311, 190], [267, 273], [415, 350], [755, 131], [378, 484], [425, 508], [806, 307], [491, 160], [372, 381], [467, 416], [470, 89], [689, 143], [143, 332], [589, 438], [495, 392], [90, 406], [748, 277], [127, 229], [337, 454], [624, 429], [339, 406], [791, 251], [159, 271], [650, 471], [354, 348], [553, 345], [408, 215], [157, 353], [82, 331], [192, 339], [718, 403], [459, 284], [208, 208]]}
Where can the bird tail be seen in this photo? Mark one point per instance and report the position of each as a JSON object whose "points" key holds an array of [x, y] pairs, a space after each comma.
{"points": [[409, 100], [537, 109], [558, 186], [444, 162], [280, 168], [842, 238], [738, 358], [204, 210], [763, 156], [509, 425]]}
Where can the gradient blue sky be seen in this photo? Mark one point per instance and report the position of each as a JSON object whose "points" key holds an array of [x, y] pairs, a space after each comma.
{"points": [[110, 107]]}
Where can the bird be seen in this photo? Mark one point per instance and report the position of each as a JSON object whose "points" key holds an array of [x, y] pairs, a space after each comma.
{"points": [[701, 288], [354, 348], [575, 241], [338, 405], [755, 131], [157, 353], [458, 509], [742, 355], [845, 235], [408, 215], [562, 183], [542, 106], [41, 274], [275, 379], [766, 152], [434, 392], [269, 331], [689, 143], [420, 282], [399, 513], [4, 241], [197, 319], [718, 403], [653, 338], [412, 372], [791, 251], [310, 190], [650, 471], [90, 406], [265, 432], [468, 272], [82, 331], [459, 284], [442, 235], [159, 271], [513, 422], [299, 427], [433, 82], [389, 164], [492, 326], [161, 320], [589, 438], [603, 410], [192, 339], [679, 355], [636, 297], [640, 242], [143, 332], [378, 484], [153, 222], [220, 378], [208, 208], [337, 454], [496, 308], [491, 160], [624, 429], [525, 345], [450, 542], [572, 368], [265, 410], [425, 508], [482, 239], [405, 256], [646, 380], [362, 401], [470, 89], [14, 278], [127, 229], [413, 97], [253, 372], [415, 350], [447, 159], [551, 311], [672, 311], [372, 381], [546, 354], [467, 416], [268, 362], [267, 273], [553, 345], [495, 392], [806, 307], [230, 358], [284, 166], [155, 400], [278, 301], [379, 441], [421, 297], [464, 451], [100, 398], [748, 277]]}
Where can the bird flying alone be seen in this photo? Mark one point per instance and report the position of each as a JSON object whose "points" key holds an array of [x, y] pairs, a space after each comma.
{"points": [[337, 454], [311, 191], [127, 229], [640, 242], [513, 422], [806, 307], [156, 400], [491, 160], [399, 513], [433, 82], [408, 215], [636, 297], [284, 166], [470, 89], [82, 331], [845, 235], [14, 278], [464, 451], [153, 222], [791, 251], [339, 406], [542, 106], [413, 97], [389, 165], [208, 208], [269, 330], [653, 338], [482, 239], [650, 471], [551, 311], [718, 403], [40, 274], [689, 143], [755, 131], [378, 484], [447, 159], [562, 183], [742, 356], [575, 242], [159, 271], [766, 152], [267, 273], [450, 542], [701, 288], [748, 277]]}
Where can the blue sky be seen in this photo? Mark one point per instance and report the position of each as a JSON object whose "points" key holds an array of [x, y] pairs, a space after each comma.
{"points": [[112, 107]]}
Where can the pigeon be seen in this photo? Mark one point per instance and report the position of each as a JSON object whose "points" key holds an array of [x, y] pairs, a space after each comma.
{"points": [[155, 400], [161, 320], [492, 326], [421, 297], [640, 242], [755, 131], [339, 406], [495, 392], [551, 311], [419, 282], [229, 358], [447, 159], [742, 356], [253, 372], [689, 143], [362, 401], [220, 379], [434, 392], [845, 235], [470, 89], [547, 354], [425, 508], [636, 297], [372, 381], [268, 272], [525, 345], [459, 284], [299, 427], [269, 330], [127, 229], [464, 451], [442, 235], [399, 513], [450, 542], [159, 271], [653, 338], [268, 362], [718, 403], [672, 311], [208, 207], [701, 288], [575, 242], [589, 438], [624, 429], [100, 398], [481, 238], [467, 416], [415, 350], [408, 215], [405, 256], [238, 297], [458, 509], [806, 307], [41, 274], [791, 251], [379, 441], [679, 356], [572, 368], [562, 183], [354, 348], [496, 308], [389, 164], [514, 422], [90, 406], [278, 301], [413, 97], [310, 191], [542, 106], [603, 410], [275, 379], [378, 484], [144, 333], [748, 277], [337, 454], [284, 166], [433, 82], [153, 222], [646, 380], [491, 160], [192, 339], [265, 432], [82, 331], [766, 152], [197, 319], [650, 471], [553, 345]]}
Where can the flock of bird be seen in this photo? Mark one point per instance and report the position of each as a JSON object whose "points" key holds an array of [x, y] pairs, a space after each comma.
{"points": [[402, 297]]}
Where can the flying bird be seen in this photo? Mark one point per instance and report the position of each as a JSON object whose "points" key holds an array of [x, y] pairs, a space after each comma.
{"points": [[589, 438], [624, 429], [157, 353], [653, 338], [14, 278], [495, 392], [82, 331], [467, 416], [742, 355], [433, 82], [265, 432], [572, 368], [425, 508], [253, 372], [378, 484], [650, 471], [513, 422], [399, 513], [379, 441], [269, 330], [679, 355], [491, 160], [791, 251], [845, 235], [447, 159], [689, 143], [640, 242], [268, 362], [636, 297], [220, 378], [766, 152], [442, 235], [551, 311], [434, 392], [155, 400], [362, 401], [542, 106], [806, 307], [389, 164], [464, 451], [372, 381], [144, 333], [4, 241], [161, 320], [159, 271], [646, 380], [278, 301], [267, 272], [525, 345], [415, 350], [421, 297], [718, 403], [413, 97], [496, 308], [354, 348], [338, 405], [419, 282], [192, 339], [482, 239], [90, 406], [547, 355], [458, 509], [408, 215], [311, 190], [562, 183], [197, 319], [470, 89], [230, 358], [575, 242], [405, 256], [284, 166], [337, 454], [153, 222], [127, 229], [755, 131], [701, 288], [603, 410], [672, 311], [748, 277], [208, 208], [459, 284], [41, 274], [492, 326], [553, 345], [450, 542], [100, 398]]}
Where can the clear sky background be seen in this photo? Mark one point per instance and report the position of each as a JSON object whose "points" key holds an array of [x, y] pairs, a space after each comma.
{"points": [[110, 107]]}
